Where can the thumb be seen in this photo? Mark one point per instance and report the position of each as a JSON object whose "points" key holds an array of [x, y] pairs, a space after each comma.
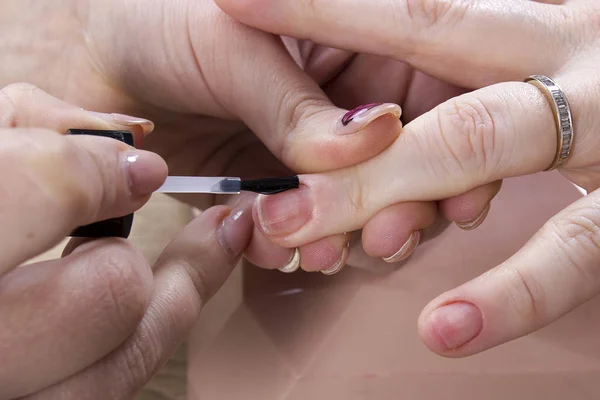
{"points": [[261, 84], [554, 273]]}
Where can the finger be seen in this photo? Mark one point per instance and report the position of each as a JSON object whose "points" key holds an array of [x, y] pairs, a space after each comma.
{"points": [[261, 251], [57, 183], [324, 63], [554, 273], [469, 141], [188, 273], [287, 110], [25, 106], [61, 316], [395, 232], [470, 209], [437, 37], [328, 255]]}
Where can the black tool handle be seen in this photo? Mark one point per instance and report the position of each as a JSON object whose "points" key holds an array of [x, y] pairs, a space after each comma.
{"points": [[114, 227]]}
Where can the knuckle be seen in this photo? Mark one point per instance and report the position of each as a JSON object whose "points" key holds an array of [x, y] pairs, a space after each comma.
{"points": [[296, 110], [466, 136], [431, 13], [358, 193], [577, 235], [47, 163], [527, 296], [72, 194], [140, 359], [121, 284], [198, 278], [11, 99], [578, 26]]}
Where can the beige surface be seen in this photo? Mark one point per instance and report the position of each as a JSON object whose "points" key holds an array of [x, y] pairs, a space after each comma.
{"points": [[353, 336]]}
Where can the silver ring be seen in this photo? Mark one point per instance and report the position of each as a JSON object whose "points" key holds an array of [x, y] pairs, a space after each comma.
{"points": [[562, 116]]}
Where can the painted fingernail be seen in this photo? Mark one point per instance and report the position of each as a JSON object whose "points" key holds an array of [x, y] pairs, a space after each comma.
{"points": [[285, 213], [126, 120], [469, 226], [454, 325], [293, 265], [340, 264], [235, 232], [406, 250], [146, 171], [357, 119]]}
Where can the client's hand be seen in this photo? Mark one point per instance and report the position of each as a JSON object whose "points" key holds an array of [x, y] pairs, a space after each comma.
{"points": [[499, 131], [97, 323]]}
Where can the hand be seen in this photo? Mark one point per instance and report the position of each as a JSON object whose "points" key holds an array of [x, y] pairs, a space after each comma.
{"points": [[499, 131], [97, 323], [198, 75]]}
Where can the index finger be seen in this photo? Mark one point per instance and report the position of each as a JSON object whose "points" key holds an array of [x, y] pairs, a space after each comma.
{"points": [[437, 36], [494, 133], [190, 270]]}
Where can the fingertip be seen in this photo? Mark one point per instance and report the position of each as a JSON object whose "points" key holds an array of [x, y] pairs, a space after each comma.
{"points": [[262, 253], [328, 255], [470, 209], [448, 329], [147, 171], [228, 228], [235, 231], [311, 151], [394, 233]]}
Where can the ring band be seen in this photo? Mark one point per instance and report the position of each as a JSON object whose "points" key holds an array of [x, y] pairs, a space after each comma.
{"points": [[562, 116]]}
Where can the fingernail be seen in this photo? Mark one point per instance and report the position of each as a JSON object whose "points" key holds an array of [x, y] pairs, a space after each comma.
{"points": [[340, 264], [146, 171], [126, 120], [293, 265], [285, 213], [455, 324], [357, 119], [406, 250], [469, 226], [235, 232]]}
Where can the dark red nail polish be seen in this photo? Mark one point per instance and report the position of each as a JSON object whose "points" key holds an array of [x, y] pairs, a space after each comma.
{"points": [[349, 116]]}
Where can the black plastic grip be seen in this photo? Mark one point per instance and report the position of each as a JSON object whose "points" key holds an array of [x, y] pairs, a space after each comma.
{"points": [[114, 227]]}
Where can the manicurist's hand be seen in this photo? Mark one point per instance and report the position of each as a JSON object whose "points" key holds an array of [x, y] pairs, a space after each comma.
{"points": [[97, 323], [498, 131]]}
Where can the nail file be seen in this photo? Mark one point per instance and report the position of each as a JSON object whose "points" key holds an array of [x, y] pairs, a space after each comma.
{"points": [[227, 185]]}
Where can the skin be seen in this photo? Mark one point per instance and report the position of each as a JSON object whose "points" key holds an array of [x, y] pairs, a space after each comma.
{"points": [[180, 69], [500, 130], [83, 316], [211, 119]]}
